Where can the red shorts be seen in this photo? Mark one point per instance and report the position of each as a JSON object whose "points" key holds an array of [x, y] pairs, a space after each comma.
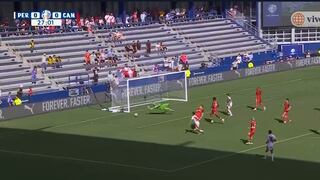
{"points": [[285, 114], [258, 101], [214, 111], [251, 134]]}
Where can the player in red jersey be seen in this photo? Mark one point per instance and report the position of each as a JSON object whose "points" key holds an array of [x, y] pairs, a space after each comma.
{"points": [[195, 120], [252, 130], [287, 108], [214, 109], [259, 99]]}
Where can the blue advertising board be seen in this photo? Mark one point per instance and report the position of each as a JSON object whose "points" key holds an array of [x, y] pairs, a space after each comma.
{"points": [[293, 50]]}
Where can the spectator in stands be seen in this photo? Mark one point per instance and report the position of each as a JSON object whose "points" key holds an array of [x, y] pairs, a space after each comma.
{"points": [[188, 73], [184, 59], [117, 37], [138, 45], [97, 56], [203, 65], [156, 68], [239, 58], [250, 64], [175, 63], [102, 57], [158, 48], [127, 20], [163, 48], [59, 62], [232, 13], [308, 54], [172, 66], [44, 62], [107, 19], [129, 50], [17, 101], [32, 45], [29, 94], [135, 18], [101, 22], [148, 47], [9, 99], [95, 77], [54, 61], [134, 46], [166, 63], [143, 16], [234, 67], [50, 61], [109, 53], [20, 92], [250, 56], [34, 75], [109, 76], [87, 58], [113, 20]]}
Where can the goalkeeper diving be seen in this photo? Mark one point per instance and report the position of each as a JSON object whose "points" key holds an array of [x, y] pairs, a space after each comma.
{"points": [[160, 108]]}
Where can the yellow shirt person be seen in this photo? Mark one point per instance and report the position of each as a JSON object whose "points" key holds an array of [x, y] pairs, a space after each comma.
{"points": [[31, 44], [17, 101]]}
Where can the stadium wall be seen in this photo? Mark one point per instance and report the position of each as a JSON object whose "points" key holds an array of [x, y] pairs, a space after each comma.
{"points": [[199, 77]]}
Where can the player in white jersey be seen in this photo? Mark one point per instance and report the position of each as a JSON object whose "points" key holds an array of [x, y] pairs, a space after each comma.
{"points": [[271, 139], [229, 104]]}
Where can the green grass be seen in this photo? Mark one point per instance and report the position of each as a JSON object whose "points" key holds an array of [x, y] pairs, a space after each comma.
{"points": [[87, 143]]}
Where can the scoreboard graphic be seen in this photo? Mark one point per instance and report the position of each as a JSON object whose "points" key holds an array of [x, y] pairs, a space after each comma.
{"points": [[45, 17]]}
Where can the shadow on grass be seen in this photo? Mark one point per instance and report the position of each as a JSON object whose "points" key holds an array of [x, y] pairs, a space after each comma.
{"points": [[191, 131], [278, 120], [317, 109], [214, 121], [39, 154], [224, 113], [314, 131], [244, 141], [250, 107]]}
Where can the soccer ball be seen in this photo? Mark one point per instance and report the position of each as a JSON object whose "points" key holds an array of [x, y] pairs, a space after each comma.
{"points": [[135, 114]]}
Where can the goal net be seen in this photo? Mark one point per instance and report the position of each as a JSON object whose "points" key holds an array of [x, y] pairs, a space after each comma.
{"points": [[147, 90]]}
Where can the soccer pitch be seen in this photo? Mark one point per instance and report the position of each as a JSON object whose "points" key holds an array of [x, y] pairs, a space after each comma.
{"points": [[87, 143]]}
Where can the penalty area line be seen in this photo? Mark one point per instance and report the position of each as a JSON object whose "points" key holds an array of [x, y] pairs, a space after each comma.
{"points": [[236, 153]]}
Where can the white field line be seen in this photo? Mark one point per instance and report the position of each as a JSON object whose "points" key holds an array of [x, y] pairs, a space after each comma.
{"points": [[236, 153]]}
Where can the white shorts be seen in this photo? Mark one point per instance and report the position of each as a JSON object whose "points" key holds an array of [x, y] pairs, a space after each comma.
{"points": [[269, 147], [195, 123]]}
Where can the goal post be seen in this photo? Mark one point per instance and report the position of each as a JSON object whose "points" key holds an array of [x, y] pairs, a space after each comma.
{"points": [[149, 89]]}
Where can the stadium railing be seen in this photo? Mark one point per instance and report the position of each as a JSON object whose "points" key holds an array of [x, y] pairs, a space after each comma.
{"points": [[244, 23]]}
